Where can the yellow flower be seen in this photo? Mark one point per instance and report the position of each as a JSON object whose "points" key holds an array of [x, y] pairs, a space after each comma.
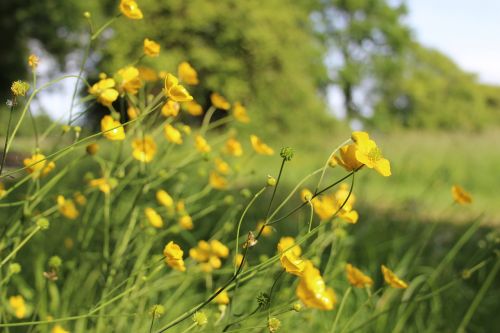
{"points": [[130, 9], [357, 278], [164, 198], [144, 149], [104, 91], [221, 166], [187, 73], [186, 222], [217, 181], [19, 88], [460, 195], [347, 158], [103, 184], [186, 129], [112, 129], [238, 259], [2, 190], [38, 166], [259, 146], [173, 256], [267, 231], [222, 298], [219, 102], [153, 217], [209, 254], [147, 74], [368, 153], [193, 108], [392, 279], [80, 199], [290, 256], [170, 109], [33, 61], [18, 306], [233, 147], [312, 290], [240, 113], [58, 329], [128, 80], [342, 195], [67, 207], [172, 134], [175, 91], [151, 48], [201, 144], [132, 113]]}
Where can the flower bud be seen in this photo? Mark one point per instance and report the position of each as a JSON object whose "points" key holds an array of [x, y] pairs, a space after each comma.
{"points": [[271, 181], [200, 318], [157, 310], [273, 324], [55, 262], [297, 307], [14, 268], [86, 15], [92, 149], [286, 153], [43, 223]]}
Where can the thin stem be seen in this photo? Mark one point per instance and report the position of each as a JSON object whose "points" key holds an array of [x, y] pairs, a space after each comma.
{"points": [[75, 89], [275, 188], [341, 307], [20, 245], [4, 153]]}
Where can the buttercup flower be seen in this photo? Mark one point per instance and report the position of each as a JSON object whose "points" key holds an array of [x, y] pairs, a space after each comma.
{"points": [[67, 208], [368, 153], [312, 290], [259, 146], [460, 195], [144, 149], [80, 199], [219, 102], [128, 80], [347, 158], [132, 113], [392, 279], [233, 147], [186, 222], [267, 231], [58, 329], [153, 217], [20, 88], [38, 166], [164, 199], [240, 113], [172, 134], [357, 278], [130, 9], [2, 190], [290, 256], [33, 61], [104, 91], [187, 74], [151, 48], [175, 91], [222, 298], [147, 74], [201, 144], [193, 108], [112, 129], [221, 166], [103, 184], [209, 254], [173, 256], [217, 181], [18, 305], [170, 109]]}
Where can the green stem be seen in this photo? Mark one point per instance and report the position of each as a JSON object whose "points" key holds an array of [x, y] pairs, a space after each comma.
{"points": [[341, 307], [4, 152], [20, 245]]}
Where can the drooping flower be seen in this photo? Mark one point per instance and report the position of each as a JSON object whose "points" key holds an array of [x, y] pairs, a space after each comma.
{"points": [[357, 278], [128, 80], [209, 254], [392, 279], [173, 256], [312, 290], [240, 113], [104, 91], [347, 158], [221, 166], [187, 74], [144, 149], [219, 101], [170, 109], [460, 195], [217, 181], [172, 134], [20, 88], [201, 144], [33, 61], [175, 91], [130, 9], [186, 222], [153, 217], [233, 147], [67, 207], [38, 166], [164, 199], [112, 129], [151, 48], [290, 256], [18, 305], [368, 153], [193, 108], [259, 146]]}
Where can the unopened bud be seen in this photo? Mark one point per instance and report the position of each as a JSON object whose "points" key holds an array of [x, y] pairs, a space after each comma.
{"points": [[271, 181], [43, 223], [86, 15], [273, 324], [286, 153], [200, 318]]}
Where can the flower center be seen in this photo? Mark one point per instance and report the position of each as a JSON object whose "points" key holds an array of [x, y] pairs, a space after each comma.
{"points": [[374, 154]]}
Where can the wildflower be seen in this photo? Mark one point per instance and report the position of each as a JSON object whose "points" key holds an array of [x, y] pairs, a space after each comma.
{"points": [[200, 318], [153, 217], [221, 166], [103, 184], [290, 256], [222, 298], [209, 254], [267, 231], [58, 329], [164, 199], [112, 129], [240, 113], [173, 256], [219, 102], [306, 195], [130, 9], [286, 153], [187, 74], [201, 144], [147, 74], [392, 279], [144, 149], [170, 109], [172, 134], [132, 113], [297, 307], [357, 278], [259, 146], [55, 262], [217, 181], [151, 48], [67, 207], [92, 149], [238, 259], [38, 166], [128, 80], [342, 195], [175, 91], [18, 305], [368, 153], [233, 147], [347, 158], [186, 222], [20, 88], [271, 181], [33, 61], [312, 290], [273, 324], [104, 91], [460, 195], [3, 192], [193, 108], [157, 310], [186, 129]]}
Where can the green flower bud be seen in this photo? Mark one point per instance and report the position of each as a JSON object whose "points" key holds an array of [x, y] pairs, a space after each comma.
{"points": [[157, 310], [297, 307], [200, 318], [286, 153], [55, 262], [43, 223], [14, 268], [271, 181], [273, 324]]}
